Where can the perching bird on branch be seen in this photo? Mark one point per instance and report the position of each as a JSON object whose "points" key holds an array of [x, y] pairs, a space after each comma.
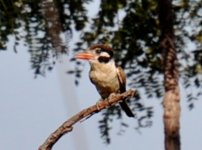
{"points": [[104, 74]]}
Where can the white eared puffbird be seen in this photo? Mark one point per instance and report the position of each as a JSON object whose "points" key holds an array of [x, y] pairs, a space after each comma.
{"points": [[107, 77]]}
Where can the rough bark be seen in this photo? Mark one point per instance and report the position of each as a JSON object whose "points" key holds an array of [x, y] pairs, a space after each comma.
{"points": [[171, 101]]}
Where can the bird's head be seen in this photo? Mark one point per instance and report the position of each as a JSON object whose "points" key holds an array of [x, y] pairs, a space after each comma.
{"points": [[98, 53]]}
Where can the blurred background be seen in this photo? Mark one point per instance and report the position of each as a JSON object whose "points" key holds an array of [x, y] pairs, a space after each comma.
{"points": [[42, 85]]}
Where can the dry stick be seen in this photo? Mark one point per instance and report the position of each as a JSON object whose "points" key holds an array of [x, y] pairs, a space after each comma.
{"points": [[67, 126]]}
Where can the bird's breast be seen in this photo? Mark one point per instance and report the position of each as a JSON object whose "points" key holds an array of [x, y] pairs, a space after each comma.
{"points": [[106, 82]]}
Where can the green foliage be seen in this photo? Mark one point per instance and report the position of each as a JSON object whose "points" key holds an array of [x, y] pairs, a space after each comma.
{"points": [[41, 27]]}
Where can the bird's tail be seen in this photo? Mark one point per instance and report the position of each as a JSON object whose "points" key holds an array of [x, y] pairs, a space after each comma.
{"points": [[127, 109]]}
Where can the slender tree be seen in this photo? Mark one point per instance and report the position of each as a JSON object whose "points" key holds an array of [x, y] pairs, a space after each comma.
{"points": [[171, 101]]}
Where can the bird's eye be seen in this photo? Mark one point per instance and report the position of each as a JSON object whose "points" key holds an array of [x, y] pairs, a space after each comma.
{"points": [[98, 51]]}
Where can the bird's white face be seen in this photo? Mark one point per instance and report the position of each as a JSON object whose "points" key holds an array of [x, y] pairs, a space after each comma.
{"points": [[100, 56]]}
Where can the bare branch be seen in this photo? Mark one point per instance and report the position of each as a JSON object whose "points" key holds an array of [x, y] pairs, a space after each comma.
{"points": [[67, 126]]}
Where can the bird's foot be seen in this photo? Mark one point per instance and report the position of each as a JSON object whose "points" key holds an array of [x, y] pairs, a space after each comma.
{"points": [[98, 105], [111, 96]]}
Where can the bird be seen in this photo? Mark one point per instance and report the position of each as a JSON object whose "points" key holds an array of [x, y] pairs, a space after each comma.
{"points": [[107, 77]]}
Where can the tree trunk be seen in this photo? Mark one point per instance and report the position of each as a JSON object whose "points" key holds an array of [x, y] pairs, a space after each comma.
{"points": [[171, 101], [51, 14]]}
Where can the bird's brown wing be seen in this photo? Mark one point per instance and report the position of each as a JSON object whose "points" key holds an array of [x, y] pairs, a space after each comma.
{"points": [[122, 80]]}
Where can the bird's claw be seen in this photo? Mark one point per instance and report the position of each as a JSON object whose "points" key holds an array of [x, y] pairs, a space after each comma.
{"points": [[98, 106], [111, 96]]}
